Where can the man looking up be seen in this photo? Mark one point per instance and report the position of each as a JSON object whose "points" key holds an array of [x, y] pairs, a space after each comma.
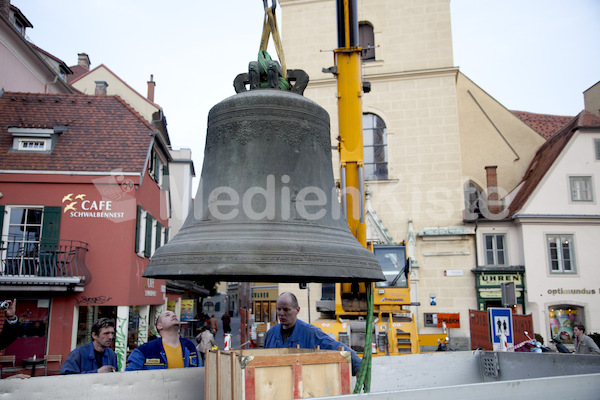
{"points": [[96, 356], [291, 331], [170, 350]]}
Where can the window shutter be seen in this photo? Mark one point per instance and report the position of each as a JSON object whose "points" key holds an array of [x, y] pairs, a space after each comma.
{"points": [[597, 143], [157, 170], [159, 228], [165, 178], [1, 219], [367, 41], [148, 241], [138, 224], [50, 228]]}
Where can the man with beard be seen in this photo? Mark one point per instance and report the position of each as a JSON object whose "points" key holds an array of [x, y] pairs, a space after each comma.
{"points": [[96, 356]]}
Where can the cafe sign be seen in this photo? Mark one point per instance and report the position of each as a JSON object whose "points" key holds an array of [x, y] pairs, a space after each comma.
{"points": [[79, 205]]}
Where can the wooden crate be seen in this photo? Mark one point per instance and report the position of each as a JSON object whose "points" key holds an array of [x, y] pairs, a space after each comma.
{"points": [[278, 374]]}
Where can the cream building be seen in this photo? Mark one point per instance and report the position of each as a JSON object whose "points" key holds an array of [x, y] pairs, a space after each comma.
{"points": [[429, 133]]}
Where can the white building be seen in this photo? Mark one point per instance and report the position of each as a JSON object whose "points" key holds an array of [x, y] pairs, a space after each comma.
{"points": [[552, 229]]}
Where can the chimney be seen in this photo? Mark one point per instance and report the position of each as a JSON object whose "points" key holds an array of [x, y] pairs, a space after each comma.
{"points": [[151, 86], [101, 88], [494, 204], [5, 8], [83, 60]]}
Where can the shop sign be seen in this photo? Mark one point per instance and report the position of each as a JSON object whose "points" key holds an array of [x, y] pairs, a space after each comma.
{"points": [[554, 292], [149, 288], [78, 205], [452, 320], [498, 279], [494, 294], [171, 305], [187, 309], [264, 294]]}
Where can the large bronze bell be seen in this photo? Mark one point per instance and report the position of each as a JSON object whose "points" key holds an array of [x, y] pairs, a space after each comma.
{"points": [[267, 207]]}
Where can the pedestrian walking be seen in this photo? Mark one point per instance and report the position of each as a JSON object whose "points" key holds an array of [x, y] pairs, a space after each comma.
{"points": [[226, 323]]}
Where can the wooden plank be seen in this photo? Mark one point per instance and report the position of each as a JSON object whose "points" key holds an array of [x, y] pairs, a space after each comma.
{"points": [[274, 383], [250, 383], [321, 380], [291, 359], [232, 359], [207, 374], [218, 373], [345, 377], [297, 381]]}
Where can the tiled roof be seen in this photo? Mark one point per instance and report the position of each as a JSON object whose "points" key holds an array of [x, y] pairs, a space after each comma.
{"points": [[103, 132], [544, 124], [546, 155], [78, 71]]}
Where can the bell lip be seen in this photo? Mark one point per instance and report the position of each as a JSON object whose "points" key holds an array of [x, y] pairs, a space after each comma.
{"points": [[264, 278]]}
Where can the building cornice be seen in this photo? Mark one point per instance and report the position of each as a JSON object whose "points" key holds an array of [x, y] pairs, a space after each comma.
{"points": [[554, 219], [391, 76]]}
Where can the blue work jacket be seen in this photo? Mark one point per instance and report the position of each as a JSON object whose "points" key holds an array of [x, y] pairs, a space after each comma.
{"points": [[82, 360], [152, 355], [308, 337]]}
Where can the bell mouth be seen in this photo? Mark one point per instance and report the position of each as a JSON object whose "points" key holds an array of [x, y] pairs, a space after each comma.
{"points": [[265, 251]]}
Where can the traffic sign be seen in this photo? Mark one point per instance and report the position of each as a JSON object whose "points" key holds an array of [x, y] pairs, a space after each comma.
{"points": [[501, 328]]}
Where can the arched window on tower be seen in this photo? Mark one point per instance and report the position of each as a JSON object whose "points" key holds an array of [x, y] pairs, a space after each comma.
{"points": [[366, 39], [375, 148]]}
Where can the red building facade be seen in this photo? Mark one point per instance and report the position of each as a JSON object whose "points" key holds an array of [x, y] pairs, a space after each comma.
{"points": [[83, 205]]}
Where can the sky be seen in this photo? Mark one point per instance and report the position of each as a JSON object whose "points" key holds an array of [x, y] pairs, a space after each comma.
{"points": [[530, 55]]}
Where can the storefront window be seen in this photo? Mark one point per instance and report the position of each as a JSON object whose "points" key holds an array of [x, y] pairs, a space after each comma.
{"points": [[87, 316], [562, 319]]}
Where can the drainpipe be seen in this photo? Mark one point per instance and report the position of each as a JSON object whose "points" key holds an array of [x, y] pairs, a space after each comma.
{"points": [[476, 248], [50, 83]]}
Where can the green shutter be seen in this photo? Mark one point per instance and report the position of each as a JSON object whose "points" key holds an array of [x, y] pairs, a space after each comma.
{"points": [[166, 235], [50, 228], [148, 241], [158, 232], [1, 221], [138, 223], [157, 170]]}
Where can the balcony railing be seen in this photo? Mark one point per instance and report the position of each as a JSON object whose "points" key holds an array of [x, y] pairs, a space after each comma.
{"points": [[32, 259]]}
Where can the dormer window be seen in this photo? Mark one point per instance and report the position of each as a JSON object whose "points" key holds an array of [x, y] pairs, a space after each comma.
{"points": [[34, 145], [35, 139], [19, 21], [19, 26]]}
